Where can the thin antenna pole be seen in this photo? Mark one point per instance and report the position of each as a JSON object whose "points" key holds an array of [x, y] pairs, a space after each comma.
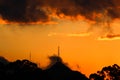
{"points": [[58, 51], [30, 55]]}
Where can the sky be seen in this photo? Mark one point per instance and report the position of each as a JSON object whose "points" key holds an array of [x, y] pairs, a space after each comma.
{"points": [[87, 32]]}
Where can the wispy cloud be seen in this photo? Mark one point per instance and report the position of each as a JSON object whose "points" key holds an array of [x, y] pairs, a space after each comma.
{"points": [[110, 37], [69, 34], [78, 34]]}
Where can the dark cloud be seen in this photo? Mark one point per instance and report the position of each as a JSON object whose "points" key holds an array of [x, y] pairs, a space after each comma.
{"points": [[86, 8], [22, 11], [36, 10]]}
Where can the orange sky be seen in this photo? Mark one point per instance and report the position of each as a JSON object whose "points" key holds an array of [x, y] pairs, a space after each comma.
{"points": [[78, 46], [87, 31]]}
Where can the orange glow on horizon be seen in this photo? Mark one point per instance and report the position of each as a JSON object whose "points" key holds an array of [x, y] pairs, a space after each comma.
{"points": [[3, 21], [25, 23], [79, 48]]}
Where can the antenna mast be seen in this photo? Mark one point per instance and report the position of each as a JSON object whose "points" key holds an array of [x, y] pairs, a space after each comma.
{"points": [[58, 51], [30, 55]]}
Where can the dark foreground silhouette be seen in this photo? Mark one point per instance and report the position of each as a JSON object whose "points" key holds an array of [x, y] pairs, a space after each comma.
{"points": [[26, 70], [107, 73], [56, 70]]}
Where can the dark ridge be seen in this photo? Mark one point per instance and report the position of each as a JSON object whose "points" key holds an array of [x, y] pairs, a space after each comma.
{"points": [[3, 60], [60, 71], [27, 70]]}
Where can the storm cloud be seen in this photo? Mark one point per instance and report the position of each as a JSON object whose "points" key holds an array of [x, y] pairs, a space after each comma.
{"points": [[40, 10], [22, 11], [87, 8]]}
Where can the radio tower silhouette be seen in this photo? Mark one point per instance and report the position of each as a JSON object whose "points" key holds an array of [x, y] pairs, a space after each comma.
{"points": [[30, 56], [58, 59], [58, 51]]}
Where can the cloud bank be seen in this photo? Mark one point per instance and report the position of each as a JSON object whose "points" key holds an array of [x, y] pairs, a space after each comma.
{"points": [[99, 12], [40, 10]]}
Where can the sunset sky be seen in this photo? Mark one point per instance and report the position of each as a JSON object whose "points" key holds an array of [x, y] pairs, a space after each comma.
{"points": [[87, 31]]}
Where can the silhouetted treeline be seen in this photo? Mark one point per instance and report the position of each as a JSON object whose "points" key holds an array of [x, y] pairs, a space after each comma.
{"points": [[56, 70], [26, 70]]}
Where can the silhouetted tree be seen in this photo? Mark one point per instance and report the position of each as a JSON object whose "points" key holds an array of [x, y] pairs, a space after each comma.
{"points": [[20, 70], [3, 63], [96, 77], [107, 73], [3, 60]]}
